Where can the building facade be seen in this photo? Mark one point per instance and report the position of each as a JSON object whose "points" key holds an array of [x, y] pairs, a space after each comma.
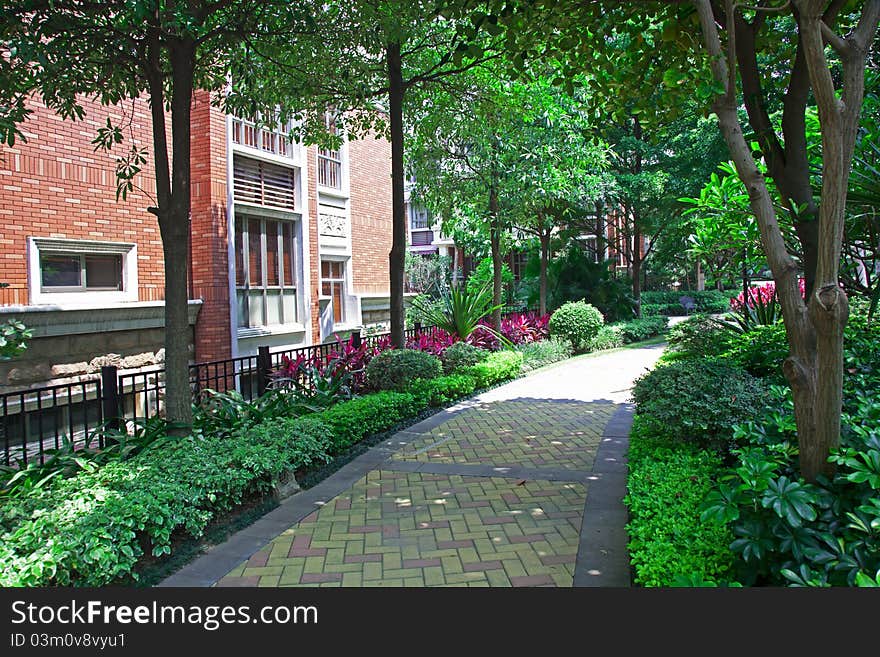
{"points": [[289, 244]]}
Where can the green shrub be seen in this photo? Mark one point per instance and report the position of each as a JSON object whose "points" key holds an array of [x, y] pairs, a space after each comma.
{"points": [[92, 529], [578, 322], [697, 337], [395, 369], [444, 389], [668, 303], [543, 352], [608, 337], [460, 355], [760, 351], [636, 330], [352, 421], [666, 485], [498, 366], [698, 401]]}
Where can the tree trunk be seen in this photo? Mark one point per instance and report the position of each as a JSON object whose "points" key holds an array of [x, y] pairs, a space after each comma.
{"points": [[497, 262], [701, 278], [814, 367], [397, 256], [545, 259], [173, 200]]}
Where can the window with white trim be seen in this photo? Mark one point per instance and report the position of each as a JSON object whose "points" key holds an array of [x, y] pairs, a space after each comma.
{"points": [[330, 160], [80, 272], [63, 270], [265, 271], [333, 286], [419, 217]]}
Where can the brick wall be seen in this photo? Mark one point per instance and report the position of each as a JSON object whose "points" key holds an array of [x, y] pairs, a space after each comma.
{"points": [[210, 259], [370, 175], [56, 185], [310, 250]]}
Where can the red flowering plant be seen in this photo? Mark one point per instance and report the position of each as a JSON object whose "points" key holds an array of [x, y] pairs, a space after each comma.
{"points": [[517, 328], [435, 342]]}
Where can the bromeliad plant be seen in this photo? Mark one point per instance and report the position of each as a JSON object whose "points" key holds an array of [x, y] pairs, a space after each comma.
{"points": [[460, 311]]}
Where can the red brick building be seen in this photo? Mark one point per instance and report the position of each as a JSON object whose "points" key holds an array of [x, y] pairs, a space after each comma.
{"points": [[289, 245]]}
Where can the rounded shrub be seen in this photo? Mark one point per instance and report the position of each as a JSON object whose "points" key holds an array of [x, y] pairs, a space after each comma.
{"points": [[395, 369], [698, 401], [460, 355], [578, 322]]}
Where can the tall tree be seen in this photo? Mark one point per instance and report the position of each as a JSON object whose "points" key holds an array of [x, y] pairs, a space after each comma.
{"points": [[753, 54], [117, 50], [366, 57]]}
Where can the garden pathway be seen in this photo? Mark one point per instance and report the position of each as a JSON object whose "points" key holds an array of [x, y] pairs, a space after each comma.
{"points": [[519, 486]]}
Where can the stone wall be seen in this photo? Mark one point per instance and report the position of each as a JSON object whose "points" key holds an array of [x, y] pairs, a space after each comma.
{"points": [[69, 345]]}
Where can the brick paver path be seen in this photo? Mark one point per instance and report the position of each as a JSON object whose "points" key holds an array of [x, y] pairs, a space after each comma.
{"points": [[518, 487]]}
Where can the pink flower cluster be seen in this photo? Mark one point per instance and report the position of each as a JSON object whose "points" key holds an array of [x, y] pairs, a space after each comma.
{"points": [[344, 356], [760, 295]]}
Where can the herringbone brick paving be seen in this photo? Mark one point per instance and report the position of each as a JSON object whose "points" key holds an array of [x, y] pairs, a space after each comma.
{"points": [[517, 433], [395, 528]]}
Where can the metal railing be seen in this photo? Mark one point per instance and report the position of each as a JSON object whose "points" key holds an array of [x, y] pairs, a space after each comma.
{"points": [[34, 422]]}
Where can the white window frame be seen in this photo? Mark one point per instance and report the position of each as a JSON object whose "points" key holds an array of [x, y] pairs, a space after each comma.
{"points": [[343, 310], [37, 246], [286, 260], [341, 158]]}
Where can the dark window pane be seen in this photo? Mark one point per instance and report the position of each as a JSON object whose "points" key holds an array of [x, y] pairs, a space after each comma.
{"points": [[104, 272], [272, 253], [239, 252], [60, 270], [287, 241], [325, 269], [255, 253], [337, 303], [326, 288]]}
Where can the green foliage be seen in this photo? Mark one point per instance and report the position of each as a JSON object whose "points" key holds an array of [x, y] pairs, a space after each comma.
{"points": [[608, 337], [395, 369], [697, 337], [665, 486], [482, 278], [636, 330], [669, 303], [544, 352], [352, 421], [698, 401], [458, 312], [225, 413], [92, 529], [444, 389], [428, 274], [460, 355], [13, 338], [576, 321], [574, 275], [497, 367], [760, 351]]}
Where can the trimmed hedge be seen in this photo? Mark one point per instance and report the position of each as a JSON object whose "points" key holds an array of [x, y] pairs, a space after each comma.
{"points": [[353, 420], [444, 389], [698, 401], [636, 330], [498, 366], [668, 303], [92, 529], [395, 369], [544, 352], [576, 321], [668, 543], [460, 355], [608, 337]]}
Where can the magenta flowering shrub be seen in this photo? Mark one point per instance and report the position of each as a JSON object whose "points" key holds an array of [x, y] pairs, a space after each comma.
{"points": [[760, 295], [343, 357], [519, 328]]}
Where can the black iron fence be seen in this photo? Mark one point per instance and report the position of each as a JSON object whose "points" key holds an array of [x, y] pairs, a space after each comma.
{"points": [[34, 422]]}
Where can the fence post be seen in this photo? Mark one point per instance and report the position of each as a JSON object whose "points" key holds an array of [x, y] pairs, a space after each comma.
{"points": [[418, 327], [264, 368], [356, 339], [110, 397]]}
